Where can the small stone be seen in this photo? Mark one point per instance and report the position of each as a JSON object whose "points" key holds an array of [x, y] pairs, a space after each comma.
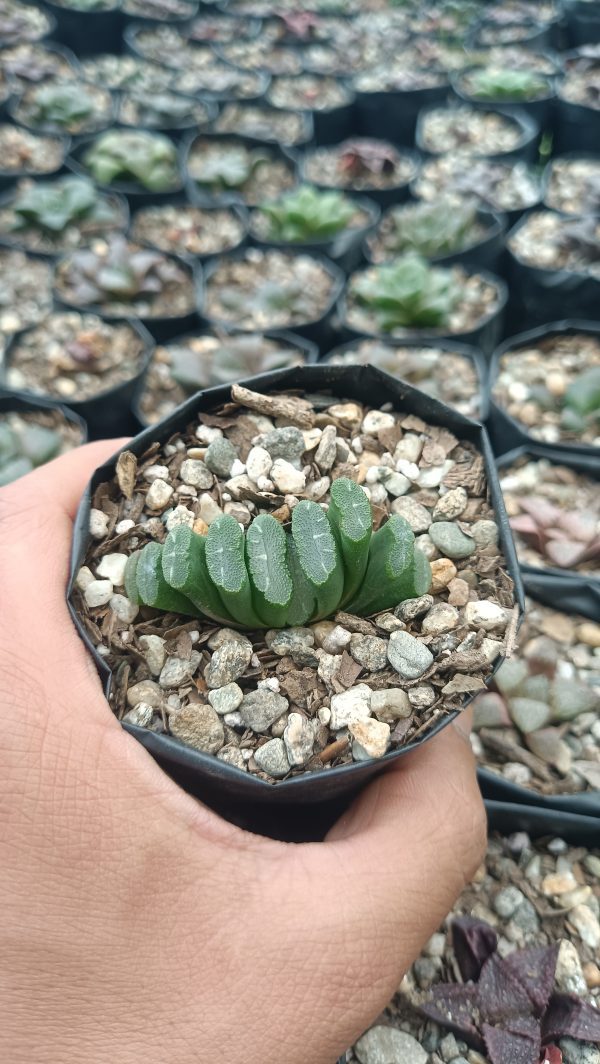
{"points": [[451, 505], [576, 1052], [153, 649], [98, 593], [158, 495], [388, 622], [328, 667], [261, 708], [299, 739], [180, 516], [511, 674], [592, 865], [258, 463], [569, 698], [507, 901], [232, 755], [112, 567], [458, 592], [390, 704], [176, 671], [311, 438], [421, 697], [145, 691], [486, 614], [272, 758], [440, 618], [286, 478], [516, 773], [448, 1048], [287, 443], [586, 925], [418, 517], [485, 533], [450, 540], [334, 639], [489, 711], [411, 609], [528, 714], [408, 656], [371, 739], [196, 473], [84, 577], [325, 454], [388, 1045], [141, 715], [349, 414], [436, 947], [589, 633], [548, 745], [432, 477], [98, 524], [558, 883], [220, 456], [443, 572], [123, 608], [369, 651], [208, 509], [375, 421], [591, 974], [394, 483], [284, 641], [408, 469], [199, 726], [154, 472], [124, 526], [229, 661], [226, 699], [350, 706]]}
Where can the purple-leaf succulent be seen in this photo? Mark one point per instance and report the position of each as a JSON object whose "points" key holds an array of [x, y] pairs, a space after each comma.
{"points": [[506, 1007], [566, 538]]}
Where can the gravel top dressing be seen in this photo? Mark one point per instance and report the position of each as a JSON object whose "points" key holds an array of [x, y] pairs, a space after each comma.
{"points": [[126, 72], [301, 698], [469, 130], [360, 164], [26, 289], [552, 242], [503, 186], [184, 230], [25, 152], [30, 62], [28, 440], [554, 514], [287, 127], [74, 356], [539, 726], [574, 186]]}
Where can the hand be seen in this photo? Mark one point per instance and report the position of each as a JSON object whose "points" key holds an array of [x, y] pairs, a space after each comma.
{"points": [[137, 927]]}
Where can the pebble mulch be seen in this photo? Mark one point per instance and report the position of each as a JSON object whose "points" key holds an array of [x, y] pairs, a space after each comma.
{"points": [[552, 242]]}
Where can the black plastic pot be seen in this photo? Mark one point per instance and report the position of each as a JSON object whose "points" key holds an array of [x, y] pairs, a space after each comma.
{"points": [[486, 254], [320, 331], [237, 209], [14, 402], [471, 354], [484, 335], [385, 197], [346, 249], [577, 128], [393, 115], [108, 413], [576, 828], [586, 464], [505, 431], [333, 124], [148, 21], [203, 198], [541, 37], [541, 110], [307, 124], [5, 240], [9, 178], [135, 194], [87, 32], [180, 130], [583, 22], [303, 807], [526, 149], [308, 350], [540, 291]]}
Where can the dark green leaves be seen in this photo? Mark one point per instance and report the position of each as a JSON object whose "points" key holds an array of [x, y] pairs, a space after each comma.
{"points": [[318, 555], [351, 521], [266, 555]]}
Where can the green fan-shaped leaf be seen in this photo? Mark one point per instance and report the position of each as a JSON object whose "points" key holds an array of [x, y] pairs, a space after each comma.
{"points": [[152, 588], [226, 563], [352, 523], [270, 579], [318, 555], [391, 560], [184, 568], [304, 600]]}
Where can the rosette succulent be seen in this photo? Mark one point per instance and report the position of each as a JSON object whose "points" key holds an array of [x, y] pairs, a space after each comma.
{"points": [[407, 292], [432, 229], [494, 85], [228, 169], [149, 159], [121, 272], [581, 402], [55, 205], [59, 106], [271, 578], [305, 215], [24, 448]]}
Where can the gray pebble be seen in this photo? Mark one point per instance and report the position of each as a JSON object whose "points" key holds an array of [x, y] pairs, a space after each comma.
{"points": [[440, 618], [394, 483], [421, 697], [176, 671], [384, 1045], [124, 608], [284, 641], [448, 1047], [261, 708], [410, 609], [325, 454], [526, 918], [141, 715], [199, 726], [232, 755], [229, 661], [507, 901], [425, 970], [450, 505], [196, 473], [390, 704], [226, 699], [369, 651], [408, 656], [575, 1052], [220, 456], [272, 759], [418, 517], [485, 533], [450, 540], [287, 443], [153, 649], [145, 691]]}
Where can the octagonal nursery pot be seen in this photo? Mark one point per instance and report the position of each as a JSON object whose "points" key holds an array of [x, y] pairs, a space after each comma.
{"points": [[87, 32], [14, 403], [540, 109], [526, 148], [9, 178], [393, 115], [109, 412], [135, 193], [486, 253], [304, 806]]}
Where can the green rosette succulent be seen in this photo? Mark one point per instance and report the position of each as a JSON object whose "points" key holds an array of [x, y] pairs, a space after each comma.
{"points": [[306, 215], [407, 293], [150, 159]]}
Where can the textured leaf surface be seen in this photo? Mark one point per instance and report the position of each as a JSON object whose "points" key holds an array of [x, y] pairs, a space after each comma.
{"points": [[473, 942], [184, 568], [351, 520], [391, 559], [318, 556], [266, 557], [517, 1043], [226, 564], [152, 587]]}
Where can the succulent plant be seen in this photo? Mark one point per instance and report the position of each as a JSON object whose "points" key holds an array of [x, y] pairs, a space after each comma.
{"points": [[23, 450], [269, 578], [407, 292], [362, 156], [228, 169], [581, 402], [432, 229], [300, 25], [506, 1007], [231, 359], [564, 537], [55, 205], [161, 108], [60, 105], [490, 83], [149, 159], [306, 214], [121, 272]]}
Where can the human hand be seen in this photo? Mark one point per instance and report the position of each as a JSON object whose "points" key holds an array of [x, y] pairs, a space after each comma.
{"points": [[140, 928]]}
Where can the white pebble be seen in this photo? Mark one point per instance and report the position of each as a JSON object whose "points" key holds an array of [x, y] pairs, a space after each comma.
{"points": [[123, 608], [286, 478], [485, 614], [112, 567], [84, 577], [208, 509], [180, 516], [98, 593], [409, 469], [98, 524], [237, 468], [124, 526], [270, 684], [258, 463], [158, 494], [264, 484], [206, 435], [375, 421], [154, 472]]}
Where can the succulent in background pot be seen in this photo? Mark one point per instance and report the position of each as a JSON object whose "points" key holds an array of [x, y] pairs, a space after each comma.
{"points": [[382, 681], [235, 168], [24, 154], [257, 290], [166, 112], [33, 62], [572, 184], [190, 232], [474, 131], [528, 34], [262, 123], [87, 26], [330, 102], [126, 72], [221, 28], [531, 92], [578, 101], [21, 22], [327, 222], [508, 187], [51, 217], [118, 279], [262, 55], [219, 82], [445, 231], [34, 432], [78, 359], [66, 107], [165, 44], [191, 363], [142, 166], [373, 167], [410, 297]]}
